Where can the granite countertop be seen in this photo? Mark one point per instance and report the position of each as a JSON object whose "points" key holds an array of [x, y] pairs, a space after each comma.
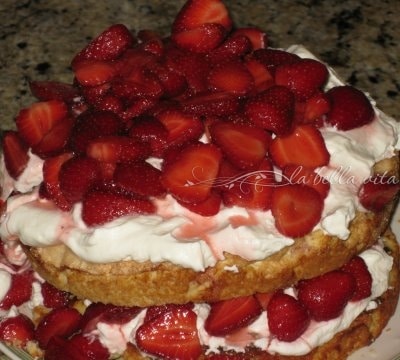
{"points": [[357, 37]]}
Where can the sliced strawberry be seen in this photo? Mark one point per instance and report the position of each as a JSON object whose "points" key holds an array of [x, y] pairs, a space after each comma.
{"points": [[15, 153], [20, 290], [378, 191], [154, 311], [172, 335], [262, 77], [139, 177], [94, 72], [304, 77], [17, 330], [76, 176], [201, 39], [63, 321], [150, 129], [359, 270], [227, 316], [287, 317], [51, 180], [137, 108], [274, 57], [232, 77], [172, 82], [182, 128], [301, 175], [235, 47], [272, 109], [315, 107], [207, 207], [53, 90], [81, 347], [99, 207], [37, 120], [245, 146], [326, 296], [212, 104], [110, 102], [296, 209], [56, 140], [55, 298], [264, 299], [252, 190], [198, 12], [190, 177], [257, 37], [109, 45], [304, 146], [117, 149], [350, 108]]}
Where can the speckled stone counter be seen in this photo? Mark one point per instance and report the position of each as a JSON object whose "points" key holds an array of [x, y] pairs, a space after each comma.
{"points": [[359, 38]]}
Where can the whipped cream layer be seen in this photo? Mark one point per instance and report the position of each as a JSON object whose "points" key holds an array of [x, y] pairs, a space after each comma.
{"points": [[115, 337], [179, 236]]}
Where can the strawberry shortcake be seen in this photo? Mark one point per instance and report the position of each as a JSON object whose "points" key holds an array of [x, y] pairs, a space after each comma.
{"points": [[198, 196]]}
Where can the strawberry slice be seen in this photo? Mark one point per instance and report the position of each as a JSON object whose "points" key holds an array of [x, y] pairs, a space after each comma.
{"points": [[359, 270], [139, 177], [208, 207], [304, 146], [226, 316], [99, 207], [235, 47], [37, 120], [257, 37], [326, 296], [76, 176], [245, 146], [17, 330], [51, 180], [55, 298], [154, 311], [304, 77], [315, 107], [296, 209], [20, 290], [63, 321], [117, 149], [232, 77], [172, 335], [378, 191], [15, 153], [274, 57], [81, 347], [350, 108], [262, 77], [191, 175], [94, 72], [198, 12], [201, 39], [109, 45], [272, 109], [182, 128], [54, 90], [287, 317]]}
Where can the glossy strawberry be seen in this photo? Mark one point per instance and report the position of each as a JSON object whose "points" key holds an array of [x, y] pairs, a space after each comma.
{"points": [[316, 107], [304, 146], [358, 268], [17, 330], [63, 321], [99, 207], [54, 90], [208, 207], [272, 109], [15, 153], [245, 146], [81, 347], [296, 209], [275, 57], [234, 48], [227, 316], [378, 191], [20, 290], [53, 297], [261, 75], [257, 37], [326, 296], [94, 72], [154, 311], [287, 317], [172, 335], [350, 108], [304, 77]]}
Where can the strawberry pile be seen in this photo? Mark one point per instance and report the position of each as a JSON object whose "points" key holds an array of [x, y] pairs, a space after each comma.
{"points": [[139, 96], [65, 330]]}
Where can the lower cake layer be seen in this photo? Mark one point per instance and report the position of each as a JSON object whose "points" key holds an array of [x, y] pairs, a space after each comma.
{"points": [[129, 283]]}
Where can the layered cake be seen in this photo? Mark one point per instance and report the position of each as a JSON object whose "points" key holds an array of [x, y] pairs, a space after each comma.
{"points": [[198, 196]]}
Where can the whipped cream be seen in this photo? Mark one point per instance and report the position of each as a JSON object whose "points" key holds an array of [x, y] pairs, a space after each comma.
{"points": [[181, 237]]}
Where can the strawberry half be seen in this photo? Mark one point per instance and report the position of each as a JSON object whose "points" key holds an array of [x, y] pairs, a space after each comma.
{"points": [[55, 298], [54, 90], [191, 175], [304, 146], [171, 335], [20, 290], [296, 209], [17, 330], [15, 153], [227, 316], [359, 270]]}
